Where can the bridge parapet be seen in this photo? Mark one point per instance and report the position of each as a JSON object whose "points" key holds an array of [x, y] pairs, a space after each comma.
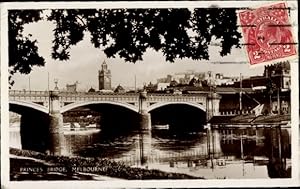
{"points": [[39, 97], [70, 96], [76, 97], [17, 93], [65, 93], [177, 98]]}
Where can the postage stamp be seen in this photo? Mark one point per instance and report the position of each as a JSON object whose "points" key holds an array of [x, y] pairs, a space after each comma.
{"points": [[267, 33]]}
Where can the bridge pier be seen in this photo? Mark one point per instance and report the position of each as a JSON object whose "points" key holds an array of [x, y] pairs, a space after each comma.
{"points": [[212, 105], [145, 137], [145, 129], [56, 137], [145, 121], [145, 117], [144, 146], [213, 142]]}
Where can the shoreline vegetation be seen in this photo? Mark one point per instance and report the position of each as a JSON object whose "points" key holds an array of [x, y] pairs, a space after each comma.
{"points": [[31, 165]]}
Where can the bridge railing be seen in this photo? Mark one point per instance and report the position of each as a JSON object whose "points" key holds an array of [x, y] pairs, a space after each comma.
{"points": [[28, 93], [65, 93], [172, 97], [83, 96]]}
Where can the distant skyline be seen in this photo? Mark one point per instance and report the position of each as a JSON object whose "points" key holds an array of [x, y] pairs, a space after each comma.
{"points": [[85, 61]]}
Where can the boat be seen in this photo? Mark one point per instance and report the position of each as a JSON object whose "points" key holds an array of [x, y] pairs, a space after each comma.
{"points": [[67, 125], [75, 125], [94, 125], [207, 126], [161, 127], [81, 131]]}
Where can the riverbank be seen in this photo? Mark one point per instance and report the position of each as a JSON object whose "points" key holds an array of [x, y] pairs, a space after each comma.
{"points": [[31, 165]]}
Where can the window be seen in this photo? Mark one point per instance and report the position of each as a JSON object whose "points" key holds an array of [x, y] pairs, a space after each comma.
{"points": [[287, 83]]}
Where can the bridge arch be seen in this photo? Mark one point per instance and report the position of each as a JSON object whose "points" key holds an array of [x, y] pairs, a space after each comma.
{"points": [[160, 104], [79, 104], [27, 104]]}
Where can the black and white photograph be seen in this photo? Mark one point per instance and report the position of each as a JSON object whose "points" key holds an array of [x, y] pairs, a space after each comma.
{"points": [[156, 92]]}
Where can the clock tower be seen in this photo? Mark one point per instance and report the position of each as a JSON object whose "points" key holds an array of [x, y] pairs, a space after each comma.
{"points": [[104, 77]]}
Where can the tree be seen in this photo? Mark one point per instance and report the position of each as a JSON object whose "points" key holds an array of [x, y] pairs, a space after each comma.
{"points": [[128, 33], [23, 51]]}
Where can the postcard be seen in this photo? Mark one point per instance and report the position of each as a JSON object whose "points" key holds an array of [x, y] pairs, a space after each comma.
{"points": [[149, 94]]}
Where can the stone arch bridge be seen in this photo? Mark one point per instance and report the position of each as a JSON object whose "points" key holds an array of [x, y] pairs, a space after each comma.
{"points": [[51, 104]]}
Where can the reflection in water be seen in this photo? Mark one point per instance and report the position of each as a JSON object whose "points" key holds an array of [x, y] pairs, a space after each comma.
{"points": [[217, 153]]}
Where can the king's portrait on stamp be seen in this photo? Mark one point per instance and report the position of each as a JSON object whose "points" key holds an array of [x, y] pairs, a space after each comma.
{"points": [[126, 94]]}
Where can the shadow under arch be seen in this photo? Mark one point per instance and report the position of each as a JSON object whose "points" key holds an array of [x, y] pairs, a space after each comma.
{"points": [[180, 116], [34, 125], [161, 104], [17, 106], [114, 116], [81, 104]]}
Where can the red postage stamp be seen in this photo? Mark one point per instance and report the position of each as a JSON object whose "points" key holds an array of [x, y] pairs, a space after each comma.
{"points": [[267, 33]]}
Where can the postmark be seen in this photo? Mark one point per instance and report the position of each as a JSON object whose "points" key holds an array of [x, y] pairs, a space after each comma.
{"points": [[267, 33]]}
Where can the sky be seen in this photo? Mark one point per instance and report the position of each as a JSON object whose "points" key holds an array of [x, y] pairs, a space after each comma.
{"points": [[86, 60]]}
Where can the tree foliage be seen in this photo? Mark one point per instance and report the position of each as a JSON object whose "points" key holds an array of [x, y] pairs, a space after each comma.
{"points": [[23, 51], [128, 33]]}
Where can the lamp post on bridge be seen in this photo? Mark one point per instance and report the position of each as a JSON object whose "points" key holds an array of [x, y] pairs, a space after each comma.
{"points": [[56, 86]]}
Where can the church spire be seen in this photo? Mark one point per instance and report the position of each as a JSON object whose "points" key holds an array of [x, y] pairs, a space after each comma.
{"points": [[104, 65], [104, 77]]}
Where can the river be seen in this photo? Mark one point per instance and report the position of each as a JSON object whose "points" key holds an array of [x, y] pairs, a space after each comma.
{"points": [[213, 154]]}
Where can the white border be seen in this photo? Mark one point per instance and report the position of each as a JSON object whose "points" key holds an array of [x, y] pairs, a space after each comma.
{"points": [[140, 4], [4, 97], [145, 183]]}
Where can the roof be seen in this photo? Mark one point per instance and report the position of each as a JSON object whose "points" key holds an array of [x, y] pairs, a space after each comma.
{"points": [[91, 90], [272, 119], [221, 119], [220, 90], [119, 88], [232, 90]]}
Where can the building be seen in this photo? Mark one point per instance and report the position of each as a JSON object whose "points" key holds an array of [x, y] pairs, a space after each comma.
{"points": [[150, 87], [104, 77], [279, 74], [162, 86], [167, 79], [274, 87], [91, 90], [72, 87], [119, 89], [254, 82], [195, 82], [221, 80]]}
